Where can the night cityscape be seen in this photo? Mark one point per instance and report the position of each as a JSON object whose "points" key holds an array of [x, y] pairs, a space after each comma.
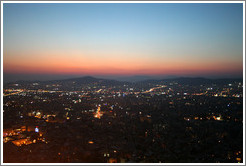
{"points": [[123, 83], [96, 120]]}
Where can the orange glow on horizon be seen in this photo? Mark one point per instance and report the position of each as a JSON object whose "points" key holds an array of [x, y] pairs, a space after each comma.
{"points": [[76, 62], [175, 68]]}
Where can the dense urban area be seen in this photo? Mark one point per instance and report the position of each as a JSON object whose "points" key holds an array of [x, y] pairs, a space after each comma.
{"points": [[92, 120]]}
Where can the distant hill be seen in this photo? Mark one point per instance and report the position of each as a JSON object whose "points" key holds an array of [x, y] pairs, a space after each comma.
{"points": [[78, 83], [80, 80], [138, 78], [87, 80], [194, 81]]}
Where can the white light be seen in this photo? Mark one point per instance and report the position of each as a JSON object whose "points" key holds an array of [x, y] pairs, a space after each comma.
{"points": [[36, 130]]}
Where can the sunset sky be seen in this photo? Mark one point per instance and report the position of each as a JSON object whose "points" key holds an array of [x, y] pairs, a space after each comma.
{"points": [[123, 39]]}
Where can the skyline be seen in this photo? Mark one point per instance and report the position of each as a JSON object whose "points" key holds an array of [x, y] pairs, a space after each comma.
{"points": [[123, 39]]}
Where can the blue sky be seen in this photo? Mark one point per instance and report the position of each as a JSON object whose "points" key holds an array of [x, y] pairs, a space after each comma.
{"points": [[179, 39]]}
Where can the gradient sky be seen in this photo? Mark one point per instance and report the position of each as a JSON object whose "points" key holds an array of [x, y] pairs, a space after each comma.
{"points": [[123, 39]]}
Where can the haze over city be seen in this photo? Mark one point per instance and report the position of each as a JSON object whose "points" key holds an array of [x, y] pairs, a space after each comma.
{"points": [[109, 40]]}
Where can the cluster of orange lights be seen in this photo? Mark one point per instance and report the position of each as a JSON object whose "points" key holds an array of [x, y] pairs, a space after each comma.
{"points": [[98, 113]]}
